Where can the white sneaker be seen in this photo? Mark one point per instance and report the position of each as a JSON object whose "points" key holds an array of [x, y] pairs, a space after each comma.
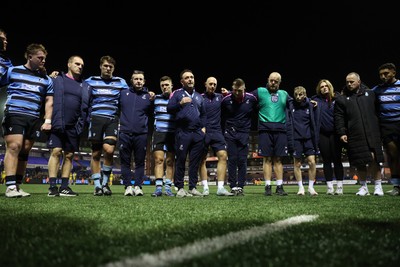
{"points": [[378, 191], [195, 193], [330, 191], [13, 192], [223, 192], [129, 192], [138, 191], [206, 192], [312, 191], [339, 191], [363, 191], [301, 191], [22, 192], [182, 193]]}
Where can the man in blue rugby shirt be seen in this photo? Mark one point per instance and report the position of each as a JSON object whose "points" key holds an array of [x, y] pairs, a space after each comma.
{"points": [[5, 62], [103, 127], [163, 139], [214, 138], [237, 109], [136, 108], [69, 118], [388, 95], [28, 86], [190, 114]]}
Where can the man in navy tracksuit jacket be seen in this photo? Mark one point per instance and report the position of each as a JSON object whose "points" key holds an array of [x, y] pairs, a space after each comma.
{"points": [[237, 109], [190, 115], [136, 107]]}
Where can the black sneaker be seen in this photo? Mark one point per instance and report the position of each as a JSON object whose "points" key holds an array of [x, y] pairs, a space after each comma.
{"points": [[268, 190], [53, 192], [98, 191], [234, 191], [239, 192], [106, 190], [279, 191], [67, 192]]}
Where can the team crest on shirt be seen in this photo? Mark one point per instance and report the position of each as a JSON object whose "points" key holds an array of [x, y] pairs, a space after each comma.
{"points": [[274, 98]]}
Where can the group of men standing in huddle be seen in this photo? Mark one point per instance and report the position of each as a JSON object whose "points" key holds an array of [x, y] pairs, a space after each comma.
{"points": [[188, 124]]}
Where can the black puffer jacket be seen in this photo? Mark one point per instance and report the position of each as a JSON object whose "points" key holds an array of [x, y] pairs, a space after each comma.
{"points": [[355, 116]]}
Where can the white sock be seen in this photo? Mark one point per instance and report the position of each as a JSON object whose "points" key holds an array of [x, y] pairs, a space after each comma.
{"points": [[339, 183], [329, 184], [220, 184], [205, 184]]}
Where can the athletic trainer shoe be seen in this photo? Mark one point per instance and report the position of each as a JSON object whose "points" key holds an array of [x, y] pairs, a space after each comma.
{"points": [[330, 191], [13, 192], [312, 191], [22, 192], [98, 191], [239, 192], [158, 192], [53, 192], [395, 191], [363, 191], [339, 191], [195, 193], [206, 192], [279, 191], [129, 191], [106, 190], [168, 192], [223, 192], [378, 191], [268, 190], [301, 191], [138, 191], [67, 192], [182, 193]]}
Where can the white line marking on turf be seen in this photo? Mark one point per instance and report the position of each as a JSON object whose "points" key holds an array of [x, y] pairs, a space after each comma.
{"points": [[208, 245]]}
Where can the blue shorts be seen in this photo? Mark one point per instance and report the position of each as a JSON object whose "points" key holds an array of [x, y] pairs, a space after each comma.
{"points": [[215, 140], [303, 147], [272, 144], [68, 140]]}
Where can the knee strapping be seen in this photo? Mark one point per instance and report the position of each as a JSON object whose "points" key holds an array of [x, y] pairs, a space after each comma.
{"points": [[111, 142]]}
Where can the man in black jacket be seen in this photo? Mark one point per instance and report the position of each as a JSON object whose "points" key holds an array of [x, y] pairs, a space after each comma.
{"points": [[357, 124]]}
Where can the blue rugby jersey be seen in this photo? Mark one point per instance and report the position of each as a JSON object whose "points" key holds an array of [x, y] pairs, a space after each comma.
{"points": [[26, 91], [164, 122], [388, 96], [105, 95], [5, 63]]}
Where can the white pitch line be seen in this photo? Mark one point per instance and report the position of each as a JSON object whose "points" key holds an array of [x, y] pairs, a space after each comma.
{"points": [[208, 245]]}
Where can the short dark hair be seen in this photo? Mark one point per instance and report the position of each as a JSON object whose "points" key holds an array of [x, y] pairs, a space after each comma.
{"points": [[389, 66]]}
